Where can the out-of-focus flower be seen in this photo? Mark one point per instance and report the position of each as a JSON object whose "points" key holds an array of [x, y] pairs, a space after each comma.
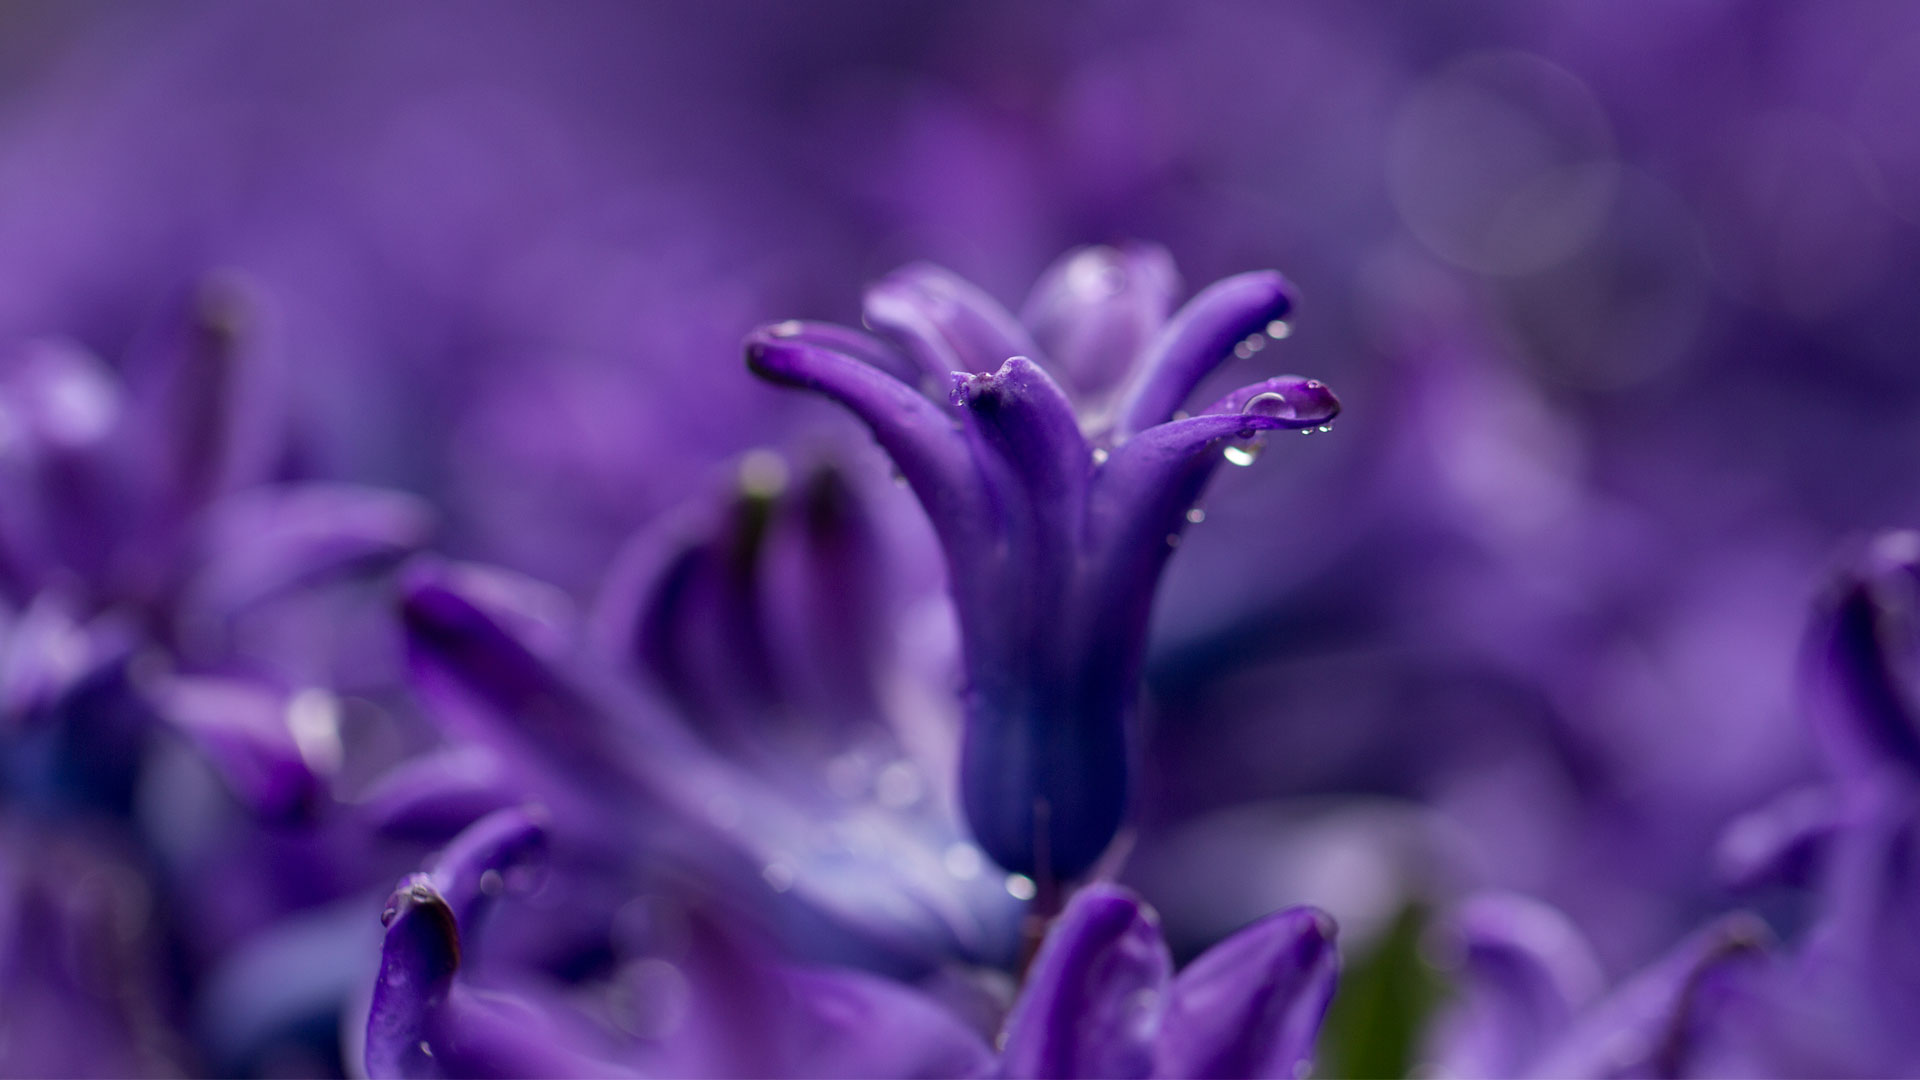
{"points": [[1532, 1000], [1056, 514], [1101, 999], [165, 639], [729, 717], [1845, 1003]]}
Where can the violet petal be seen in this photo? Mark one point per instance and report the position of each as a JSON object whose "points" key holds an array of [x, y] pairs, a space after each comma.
{"points": [[1524, 972], [1199, 337], [1652, 1025], [1095, 310], [1095, 996], [417, 963], [432, 797], [244, 730], [1251, 1006], [1860, 659], [944, 322]]}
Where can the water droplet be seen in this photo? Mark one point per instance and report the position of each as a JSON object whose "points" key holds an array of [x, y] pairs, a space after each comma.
{"points": [[1100, 455], [778, 876], [1196, 515], [1324, 428], [313, 717], [1306, 431], [1246, 449], [1021, 887], [1255, 342], [790, 328], [492, 883], [963, 861], [847, 775], [763, 474], [1269, 404], [1173, 540], [1243, 350], [1279, 329], [898, 786]]}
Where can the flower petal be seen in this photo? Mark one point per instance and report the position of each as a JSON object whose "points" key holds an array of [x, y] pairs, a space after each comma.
{"points": [[417, 963], [1030, 454], [243, 730], [1096, 994], [1785, 842], [1524, 972], [1199, 337], [944, 322], [481, 675], [1251, 1006], [479, 862], [850, 1024], [917, 434], [268, 541], [432, 797], [1652, 1025], [1095, 310], [1860, 659]]}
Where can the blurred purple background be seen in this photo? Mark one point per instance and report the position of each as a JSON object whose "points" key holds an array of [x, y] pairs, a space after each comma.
{"points": [[1619, 299]]}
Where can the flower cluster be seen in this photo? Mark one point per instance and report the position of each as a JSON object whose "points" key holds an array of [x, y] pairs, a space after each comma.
{"points": [[427, 650]]}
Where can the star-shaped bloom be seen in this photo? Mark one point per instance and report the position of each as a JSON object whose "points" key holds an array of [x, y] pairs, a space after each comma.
{"points": [[1052, 457]]}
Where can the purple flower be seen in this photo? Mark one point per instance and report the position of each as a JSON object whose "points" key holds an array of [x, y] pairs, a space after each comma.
{"points": [[1844, 1005], [1056, 514], [1101, 999], [436, 1012], [724, 717]]}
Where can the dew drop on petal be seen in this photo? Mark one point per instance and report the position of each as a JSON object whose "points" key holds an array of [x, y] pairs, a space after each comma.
{"points": [[898, 786], [763, 474], [1196, 515], [1269, 404], [963, 861], [778, 876], [1279, 329], [1021, 887], [1100, 455], [1241, 455]]}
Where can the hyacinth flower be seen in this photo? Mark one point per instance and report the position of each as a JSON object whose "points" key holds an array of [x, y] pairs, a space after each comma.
{"points": [[160, 595], [1100, 1000], [1053, 460], [1531, 1001], [723, 719], [142, 521]]}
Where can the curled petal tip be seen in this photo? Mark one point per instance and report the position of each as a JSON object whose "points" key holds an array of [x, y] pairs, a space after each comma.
{"points": [[1860, 659]]}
